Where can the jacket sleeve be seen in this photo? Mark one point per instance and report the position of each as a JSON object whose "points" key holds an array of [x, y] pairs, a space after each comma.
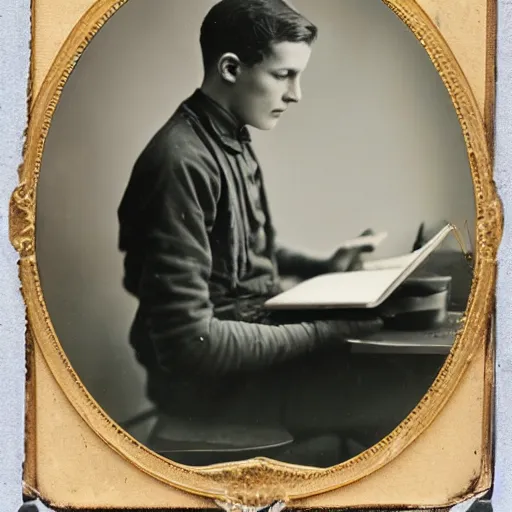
{"points": [[174, 285], [297, 264]]}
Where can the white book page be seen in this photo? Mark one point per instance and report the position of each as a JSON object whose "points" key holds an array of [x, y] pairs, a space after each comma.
{"points": [[403, 261], [360, 288], [393, 262]]}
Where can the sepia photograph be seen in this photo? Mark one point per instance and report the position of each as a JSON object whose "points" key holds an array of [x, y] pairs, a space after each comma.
{"points": [[255, 226]]}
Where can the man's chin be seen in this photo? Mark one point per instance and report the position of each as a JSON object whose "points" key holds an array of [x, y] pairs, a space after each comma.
{"points": [[267, 125], [263, 124]]}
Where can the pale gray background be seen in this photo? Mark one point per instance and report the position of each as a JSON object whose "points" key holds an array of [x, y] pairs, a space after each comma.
{"points": [[14, 44], [375, 142]]}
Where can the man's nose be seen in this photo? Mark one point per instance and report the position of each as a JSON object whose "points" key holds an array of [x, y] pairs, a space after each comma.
{"points": [[294, 94]]}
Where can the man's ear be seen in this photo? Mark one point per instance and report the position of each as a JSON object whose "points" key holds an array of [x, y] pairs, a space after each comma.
{"points": [[229, 67]]}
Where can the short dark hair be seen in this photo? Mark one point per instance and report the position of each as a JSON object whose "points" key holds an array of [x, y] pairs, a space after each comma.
{"points": [[250, 27]]}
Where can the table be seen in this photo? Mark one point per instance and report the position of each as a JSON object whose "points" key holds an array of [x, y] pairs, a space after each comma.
{"points": [[436, 341]]}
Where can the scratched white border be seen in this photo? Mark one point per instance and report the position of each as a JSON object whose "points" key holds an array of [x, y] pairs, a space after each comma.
{"points": [[14, 66]]}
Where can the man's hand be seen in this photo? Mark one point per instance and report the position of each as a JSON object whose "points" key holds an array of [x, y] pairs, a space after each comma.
{"points": [[345, 260], [340, 330]]}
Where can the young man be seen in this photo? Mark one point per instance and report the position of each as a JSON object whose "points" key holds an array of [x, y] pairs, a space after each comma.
{"points": [[201, 255]]}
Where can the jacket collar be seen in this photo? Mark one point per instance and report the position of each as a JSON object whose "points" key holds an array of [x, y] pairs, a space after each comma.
{"points": [[226, 128]]}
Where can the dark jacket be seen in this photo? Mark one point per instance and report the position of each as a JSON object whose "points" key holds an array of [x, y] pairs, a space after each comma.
{"points": [[190, 260]]}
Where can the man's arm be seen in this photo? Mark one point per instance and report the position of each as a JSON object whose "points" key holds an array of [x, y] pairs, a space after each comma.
{"points": [[174, 287], [292, 263]]}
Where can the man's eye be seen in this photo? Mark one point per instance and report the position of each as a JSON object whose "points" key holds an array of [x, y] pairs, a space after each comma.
{"points": [[281, 76]]}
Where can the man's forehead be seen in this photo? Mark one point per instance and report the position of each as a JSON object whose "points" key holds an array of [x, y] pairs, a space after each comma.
{"points": [[288, 54]]}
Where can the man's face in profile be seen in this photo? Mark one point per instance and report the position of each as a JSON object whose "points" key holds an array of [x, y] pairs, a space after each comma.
{"points": [[264, 91]]}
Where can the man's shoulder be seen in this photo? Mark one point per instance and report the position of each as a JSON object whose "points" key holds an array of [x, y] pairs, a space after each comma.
{"points": [[181, 137], [179, 148]]}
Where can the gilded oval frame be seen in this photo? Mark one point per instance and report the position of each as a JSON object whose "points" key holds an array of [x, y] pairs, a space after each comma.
{"points": [[262, 480]]}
